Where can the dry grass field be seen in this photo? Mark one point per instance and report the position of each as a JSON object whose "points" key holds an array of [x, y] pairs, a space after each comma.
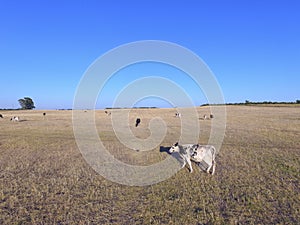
{"points": [[45, 180]]}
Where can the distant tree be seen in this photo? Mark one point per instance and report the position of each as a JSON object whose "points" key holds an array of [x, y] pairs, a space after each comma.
{"points": [[298, 101], [26, 103], [247, 102]]}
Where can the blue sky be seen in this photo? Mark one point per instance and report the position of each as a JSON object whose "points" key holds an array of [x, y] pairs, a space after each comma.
{"points": [[252, 47]]}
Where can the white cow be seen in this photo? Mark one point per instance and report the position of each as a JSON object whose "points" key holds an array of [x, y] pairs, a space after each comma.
{"points": [[15, 119], [203, 155]]}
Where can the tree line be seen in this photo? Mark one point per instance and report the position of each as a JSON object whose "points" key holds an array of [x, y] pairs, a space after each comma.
{"points": [[247, 102]]}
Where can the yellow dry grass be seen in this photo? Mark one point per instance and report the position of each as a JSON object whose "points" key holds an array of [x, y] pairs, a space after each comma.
{"points": [[45, 180]]}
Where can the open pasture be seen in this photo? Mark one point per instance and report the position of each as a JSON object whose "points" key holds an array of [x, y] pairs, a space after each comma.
{"points": [[45, 180]]}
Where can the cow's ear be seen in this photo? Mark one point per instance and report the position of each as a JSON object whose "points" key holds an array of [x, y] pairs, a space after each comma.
{"points": [[176, 144]]}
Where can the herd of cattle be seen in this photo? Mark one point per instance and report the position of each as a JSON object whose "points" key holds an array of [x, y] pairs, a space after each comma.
{"points": [[203, 155], [16, 118]]}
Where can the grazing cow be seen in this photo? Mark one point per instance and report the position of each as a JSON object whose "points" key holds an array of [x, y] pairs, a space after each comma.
{"points": [[44, 114], [1, 116], [203, 155], [107, 113], [137, 122], [178, 115], [15, 119], [211, 116]]}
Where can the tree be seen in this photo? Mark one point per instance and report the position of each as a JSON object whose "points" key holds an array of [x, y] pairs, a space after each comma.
{"points": [[26, 103]]}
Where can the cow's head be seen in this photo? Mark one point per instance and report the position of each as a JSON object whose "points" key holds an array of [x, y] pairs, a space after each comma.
{"points": [[174, 148]]}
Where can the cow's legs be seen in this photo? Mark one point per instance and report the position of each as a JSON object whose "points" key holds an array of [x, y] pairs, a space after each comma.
{"points": [[214, 168], [184, 162], [190, 164], [208, 169]]}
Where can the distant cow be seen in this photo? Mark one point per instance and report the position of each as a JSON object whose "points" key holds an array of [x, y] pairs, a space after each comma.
{"points": [[15, 119], [137, 122], [44, 114], [1, 116], [177, 114], [211, 116], [205, 117], [106, 112]]}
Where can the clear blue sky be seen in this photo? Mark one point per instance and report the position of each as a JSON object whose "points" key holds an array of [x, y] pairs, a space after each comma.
{"points": [[252, 47]]}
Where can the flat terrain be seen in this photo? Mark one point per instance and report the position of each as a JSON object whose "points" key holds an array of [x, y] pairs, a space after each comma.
{"points": [[45, 180]]}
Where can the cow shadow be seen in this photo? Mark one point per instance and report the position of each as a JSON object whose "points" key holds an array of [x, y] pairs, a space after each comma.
{"points": [[164, 149]]}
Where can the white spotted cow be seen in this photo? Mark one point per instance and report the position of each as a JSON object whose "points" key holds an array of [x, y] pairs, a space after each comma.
{"points": [[203, 155]]}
